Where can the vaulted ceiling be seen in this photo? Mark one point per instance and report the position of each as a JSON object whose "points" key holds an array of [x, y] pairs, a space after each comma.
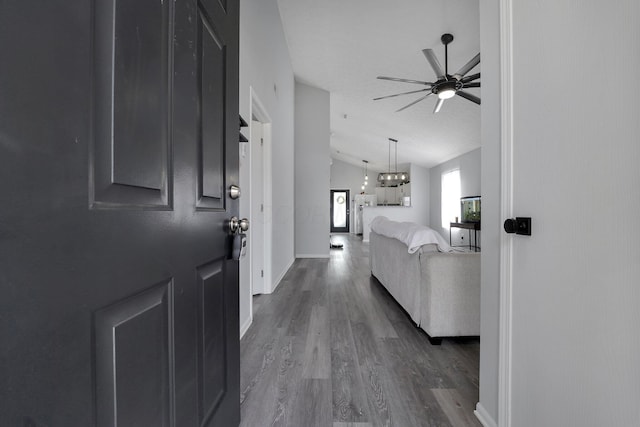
{"points": [[343, 45]]}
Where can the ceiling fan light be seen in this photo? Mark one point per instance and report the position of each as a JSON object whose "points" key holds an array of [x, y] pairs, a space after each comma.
{"points": [[446, 93], [388, 177], [404, 177]]}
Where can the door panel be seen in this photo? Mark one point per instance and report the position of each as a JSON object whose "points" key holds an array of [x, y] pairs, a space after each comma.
{"points": [[575, 297], [211, 67], [140, 74], [119, 298], [211, 332], [134, 360], [132, 89]]}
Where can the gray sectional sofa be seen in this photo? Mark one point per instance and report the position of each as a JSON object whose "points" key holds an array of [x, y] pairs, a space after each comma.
{"points": [[439, 290]]}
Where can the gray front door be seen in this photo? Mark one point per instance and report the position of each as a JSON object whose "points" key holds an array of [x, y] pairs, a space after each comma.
{"points": [[118, 125]]}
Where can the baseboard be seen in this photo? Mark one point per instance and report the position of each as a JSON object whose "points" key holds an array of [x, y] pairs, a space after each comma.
{"points": [[313, 256], [365, 241], [245, 327], [483, 416], [281, 276]]}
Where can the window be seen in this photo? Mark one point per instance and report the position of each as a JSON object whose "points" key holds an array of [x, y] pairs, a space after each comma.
{"points": [[450, 198]]}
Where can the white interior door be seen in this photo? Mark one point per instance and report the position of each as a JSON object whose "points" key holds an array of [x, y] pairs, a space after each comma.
{"points": [[576, 152], [257, 208]]}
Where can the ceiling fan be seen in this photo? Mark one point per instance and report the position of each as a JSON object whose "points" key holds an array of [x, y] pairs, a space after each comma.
{"points": [[447, 85]]}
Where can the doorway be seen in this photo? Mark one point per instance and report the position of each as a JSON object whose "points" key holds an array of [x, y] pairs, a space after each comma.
{"points": [[257, 206], [340, 212]]}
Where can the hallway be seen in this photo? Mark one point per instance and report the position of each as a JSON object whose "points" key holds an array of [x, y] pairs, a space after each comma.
{"points": [[331, 348]]}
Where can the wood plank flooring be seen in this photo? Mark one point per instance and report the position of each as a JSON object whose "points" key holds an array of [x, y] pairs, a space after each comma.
{"points": [[331, 348]]}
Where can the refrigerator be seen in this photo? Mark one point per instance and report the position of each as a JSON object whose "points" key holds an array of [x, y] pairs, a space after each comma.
{"points": [[360, 201]]}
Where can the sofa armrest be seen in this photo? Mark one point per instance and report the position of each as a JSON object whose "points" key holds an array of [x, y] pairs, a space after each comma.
{"points": [[451, 303]]}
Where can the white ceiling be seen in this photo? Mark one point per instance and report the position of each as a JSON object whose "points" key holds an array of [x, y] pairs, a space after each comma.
{"points": [[343, 45]]}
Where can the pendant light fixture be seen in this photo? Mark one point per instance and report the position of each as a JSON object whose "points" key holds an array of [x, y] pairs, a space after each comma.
{"points": [[366, 176], [393, 178]]}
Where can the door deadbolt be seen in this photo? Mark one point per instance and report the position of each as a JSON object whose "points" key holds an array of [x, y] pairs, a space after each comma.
{"points": [[234, 192], [510, 225], [519, 225]]}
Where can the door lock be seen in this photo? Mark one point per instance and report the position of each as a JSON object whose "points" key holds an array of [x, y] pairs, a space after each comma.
{"points": [[239, 246], [234, 223], [519, 225], [234, 192], [238, 225]]}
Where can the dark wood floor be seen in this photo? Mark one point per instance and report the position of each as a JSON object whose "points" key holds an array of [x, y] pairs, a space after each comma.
{"points": [[331, 348]]}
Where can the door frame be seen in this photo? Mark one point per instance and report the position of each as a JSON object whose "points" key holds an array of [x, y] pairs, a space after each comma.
{"points": [[506, 211], [258, 110], [347, 203]]}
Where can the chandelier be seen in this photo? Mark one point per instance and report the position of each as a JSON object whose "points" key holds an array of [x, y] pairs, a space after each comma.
{"points": [[393, 178]]}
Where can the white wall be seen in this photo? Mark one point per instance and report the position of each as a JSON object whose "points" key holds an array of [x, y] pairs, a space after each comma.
{"points": [[469, 166], [266, 67], [491, 224], [345, 176], [312, 172], [418, 212]]}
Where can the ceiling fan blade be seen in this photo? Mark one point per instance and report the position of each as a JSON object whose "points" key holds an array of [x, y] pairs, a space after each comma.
{"points": [[476, 84], [467, 67], [395, 79], [438, 105], [470, 78], [433, 60], [400, 94], [414, 102], [467, 95]]}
